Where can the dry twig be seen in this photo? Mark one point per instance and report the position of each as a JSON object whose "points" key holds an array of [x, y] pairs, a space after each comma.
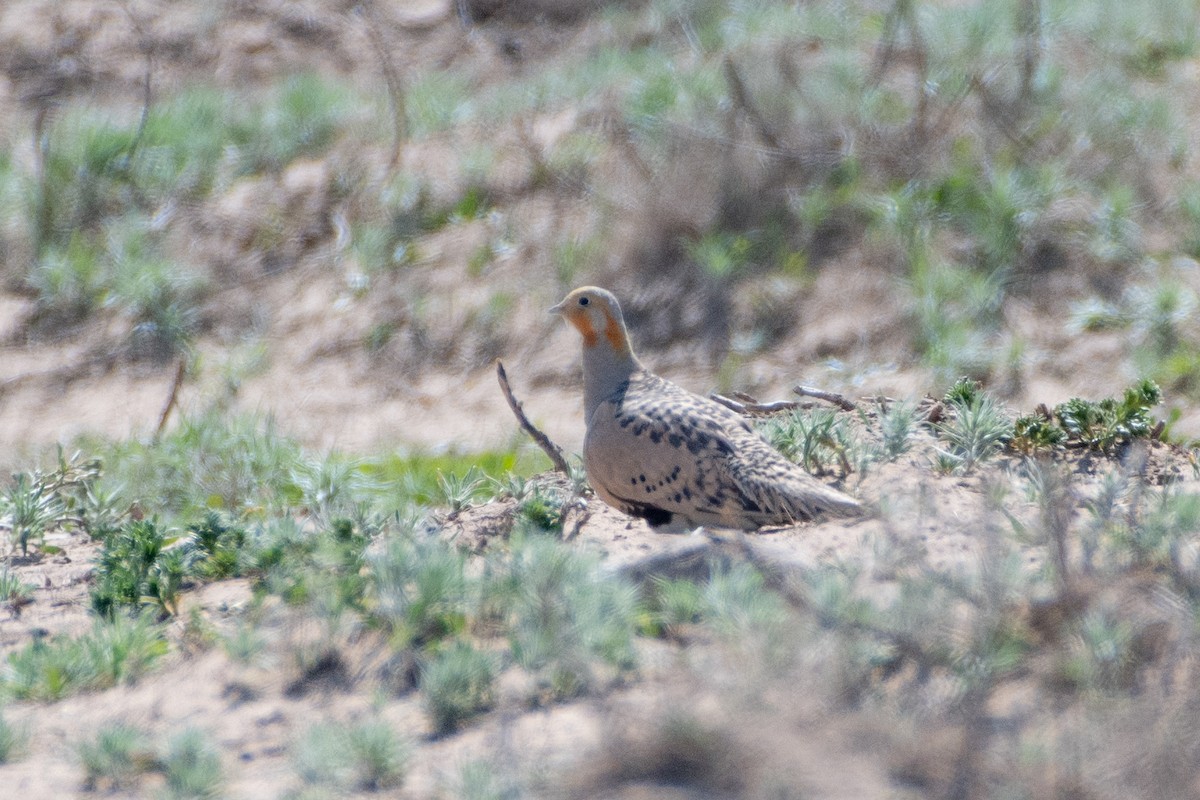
{"points": [[374, 28], [829, 397], [742, 101], [172, 398], [750, 406], [543, 441]]}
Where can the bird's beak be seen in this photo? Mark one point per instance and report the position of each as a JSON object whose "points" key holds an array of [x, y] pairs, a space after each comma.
{"points": [[558, 309]]}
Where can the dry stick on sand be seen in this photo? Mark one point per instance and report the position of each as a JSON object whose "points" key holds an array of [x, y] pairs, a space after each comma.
{"points": [[172, 399], [543, 441], [750, 406], [829, 397]]}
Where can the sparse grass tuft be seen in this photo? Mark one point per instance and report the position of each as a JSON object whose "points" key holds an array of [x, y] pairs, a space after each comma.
{"points": [[817, 439], [115, 652], [14, 739], [191, 766], [480, 780], [366, 756], [456, 685], [209, 462], [116, 758], [978, 430], [564, 617], [420, 591], [677, 603], [14, 592], [246, 644]]}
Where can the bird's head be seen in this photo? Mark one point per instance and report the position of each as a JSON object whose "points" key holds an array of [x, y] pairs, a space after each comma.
{"points": [[596, 314]]}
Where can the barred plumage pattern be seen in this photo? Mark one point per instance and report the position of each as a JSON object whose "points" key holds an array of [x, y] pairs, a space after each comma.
{"points": [[657, 451]]}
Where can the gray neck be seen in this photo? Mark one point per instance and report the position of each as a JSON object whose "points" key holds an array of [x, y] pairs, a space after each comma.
{"points": [[604, 369]]}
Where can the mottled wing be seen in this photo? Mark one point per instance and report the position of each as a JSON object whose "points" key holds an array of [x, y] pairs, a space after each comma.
{"points": [[660, 452], [782, 491]]}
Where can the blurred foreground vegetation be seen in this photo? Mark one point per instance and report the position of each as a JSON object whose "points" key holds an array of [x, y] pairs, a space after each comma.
{"points": [[707, 160]]}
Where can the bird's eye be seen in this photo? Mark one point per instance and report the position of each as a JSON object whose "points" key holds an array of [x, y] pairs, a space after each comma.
{"points": [[583, 301]]}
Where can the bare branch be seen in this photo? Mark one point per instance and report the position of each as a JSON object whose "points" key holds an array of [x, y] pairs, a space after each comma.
{"points": [[751, 407], [829, 397], [742, 100], [146, 45], [172, 398], [391, 77], [543, 441]]}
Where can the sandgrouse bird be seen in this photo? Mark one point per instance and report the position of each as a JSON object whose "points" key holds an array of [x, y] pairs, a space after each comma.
{"points": [[655, 450]]}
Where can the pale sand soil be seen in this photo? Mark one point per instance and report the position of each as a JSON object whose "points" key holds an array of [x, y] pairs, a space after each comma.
{"points": [[321, 385], [255, 713]]}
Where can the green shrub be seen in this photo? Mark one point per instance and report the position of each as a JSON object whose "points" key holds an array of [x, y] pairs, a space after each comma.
{"points": [[420, 591], [115, 652], [191, 766], [363, 756], [1103, 425], [456, 685], [134, 569], [116, 758], [978, 429], [564, 616], [237, 464], [13, 739]]}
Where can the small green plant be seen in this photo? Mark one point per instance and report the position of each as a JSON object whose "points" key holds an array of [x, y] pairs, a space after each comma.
{"points": [[245, 645], [572, 256], [41, 500], [896, 426], [68, 281], [419, 588], [379, 756], [814, 438], [123, 650], [480, 780], [1154, 538], [364, 756], [14, 592], [215, 547], [114, 652], [116, 758], [721, 254], [435, 102], [1110, 422], [957, 311], [303, 117], [677, 603], [978, 429], [13, 739], [135, 568], [1034, 433], [191, 766], [456, 685], [564, 617], [460, 491], [239, 465], [541, 510], [736, 601], [1099, 654], [31, 509], [330, 487]]}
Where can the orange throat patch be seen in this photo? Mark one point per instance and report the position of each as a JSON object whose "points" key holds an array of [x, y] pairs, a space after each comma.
{"points": [[614, 334], [584, 325]]}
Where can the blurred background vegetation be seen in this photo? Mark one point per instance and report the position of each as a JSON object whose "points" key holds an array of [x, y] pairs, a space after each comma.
{"points": [[912, 190], [365, 200]]}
